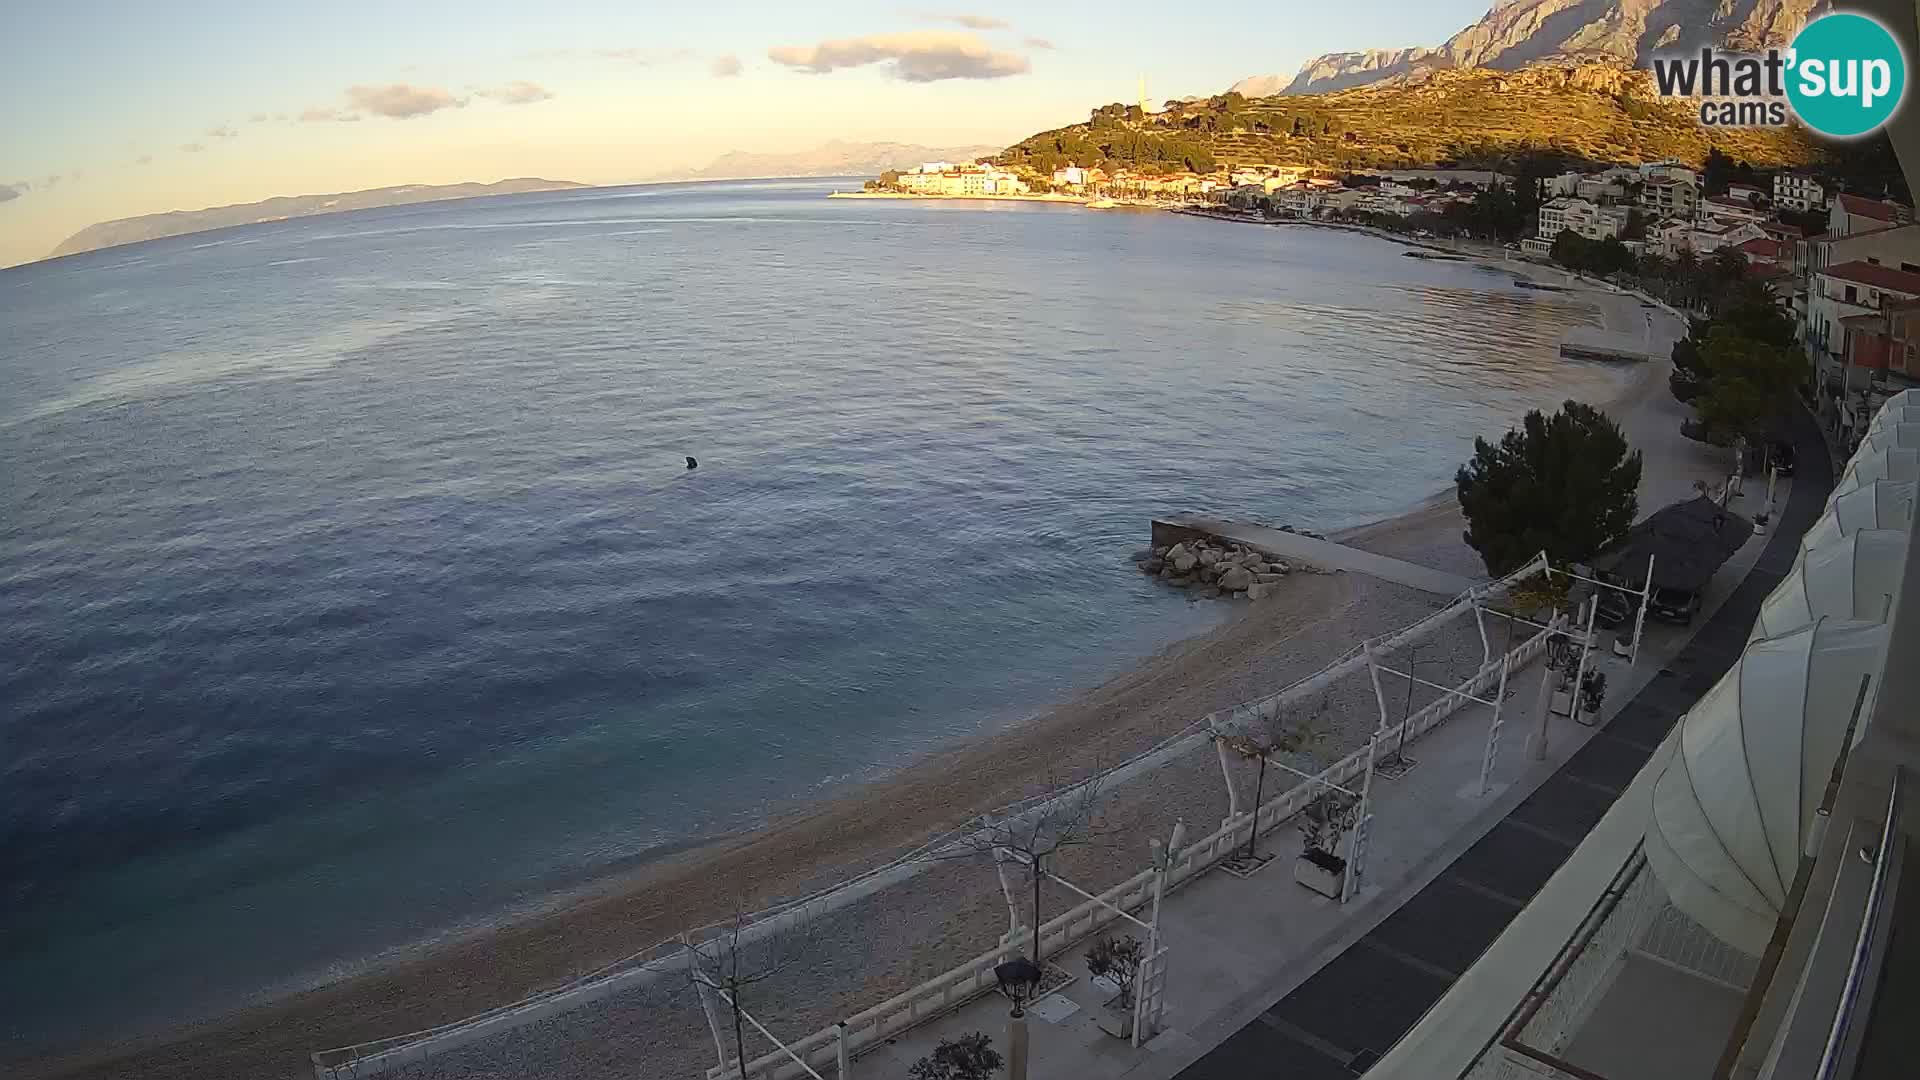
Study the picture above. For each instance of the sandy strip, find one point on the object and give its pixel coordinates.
(1311, 621)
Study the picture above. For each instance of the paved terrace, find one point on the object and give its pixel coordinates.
(1295, 547)
(1338, 1020)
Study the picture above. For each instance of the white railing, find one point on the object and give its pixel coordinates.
(667, 959)
(1632, 916)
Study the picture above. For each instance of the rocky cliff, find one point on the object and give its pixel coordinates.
(1515, 33)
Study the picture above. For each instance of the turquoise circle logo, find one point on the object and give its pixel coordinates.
(1847, 75)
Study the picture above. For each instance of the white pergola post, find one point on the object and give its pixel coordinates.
(1226, 772)
(1480, 623)
(708, 1003)
(1000, 857)
(1580, 669)
(1493, 729)
(1379, 697)
(1640, 620)
(843, 1052)
(1538, 744)
(1363, 819)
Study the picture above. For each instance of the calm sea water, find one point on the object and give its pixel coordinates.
(352, 587)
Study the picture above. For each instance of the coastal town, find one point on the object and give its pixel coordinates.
(1843, 265)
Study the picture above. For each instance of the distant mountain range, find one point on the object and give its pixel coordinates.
(1515, 33)
(177, 222)
(835, 158)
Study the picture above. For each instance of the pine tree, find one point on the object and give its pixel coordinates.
(1565, 484)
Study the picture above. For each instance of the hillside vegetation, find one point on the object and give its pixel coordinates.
(1472, 118)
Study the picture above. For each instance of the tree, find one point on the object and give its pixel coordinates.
(1033, 832)
(1748, 382)
(749, 951)
(1565, 484)
(1259, 732)
(969, 1057)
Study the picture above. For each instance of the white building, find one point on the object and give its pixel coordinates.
(1852, 214)
(1798, 191)
(1581, 217)
(1670, 196)
(1726, 208)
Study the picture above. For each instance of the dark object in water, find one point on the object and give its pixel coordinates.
(692, 464)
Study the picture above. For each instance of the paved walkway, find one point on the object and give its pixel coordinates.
(1339, 1021)
(1324, 553)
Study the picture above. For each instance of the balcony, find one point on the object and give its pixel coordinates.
(1640, 992)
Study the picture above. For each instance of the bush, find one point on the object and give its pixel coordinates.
(1117, 959)
(969, 1057)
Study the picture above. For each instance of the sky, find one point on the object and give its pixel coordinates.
(119, 109)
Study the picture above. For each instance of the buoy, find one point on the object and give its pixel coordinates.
(692, 464)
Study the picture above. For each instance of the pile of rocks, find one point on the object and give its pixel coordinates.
(1215, 569)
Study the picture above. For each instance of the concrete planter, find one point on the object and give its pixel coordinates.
(1323, 873)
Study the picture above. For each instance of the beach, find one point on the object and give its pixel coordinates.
(886, 942)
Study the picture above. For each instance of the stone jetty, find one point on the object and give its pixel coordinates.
(1215, 569)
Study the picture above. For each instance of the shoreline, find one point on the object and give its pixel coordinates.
(803, 846)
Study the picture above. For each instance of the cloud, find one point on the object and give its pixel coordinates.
(222, 132)
(726, 67)
(401, 101)
(917, 56)
(144, 159)
(258, 118)
(518, 92)
(1039, 43)
(321, 115)
(10, 192)
(643, 57)
(192, 147)
(52, 180)
(971, 22)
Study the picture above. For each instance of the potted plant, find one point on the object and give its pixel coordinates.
(1116, 961)
(1593, 691)
(1322, 823)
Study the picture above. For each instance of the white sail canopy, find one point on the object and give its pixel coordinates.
(1851, 577)
(1889, 436)
(1870, 465)
(1746, 768)
(1883, 504)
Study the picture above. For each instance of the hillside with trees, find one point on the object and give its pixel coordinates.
(1472, 118)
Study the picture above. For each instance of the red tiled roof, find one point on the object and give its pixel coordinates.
(1761, 248)
(1880, 277)
(1861, 206)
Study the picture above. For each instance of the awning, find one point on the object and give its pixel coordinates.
(1744, 771)
(1883, 504)
(1889, 436)
(1688, 541)
(1851, 577)
(1870, 465)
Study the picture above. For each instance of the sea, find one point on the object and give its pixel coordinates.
(354, 590)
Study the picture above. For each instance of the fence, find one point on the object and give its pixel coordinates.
(667, 959)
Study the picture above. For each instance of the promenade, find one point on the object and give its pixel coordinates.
(1266, 977)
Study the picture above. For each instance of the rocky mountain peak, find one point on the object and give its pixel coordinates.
(1515, 33)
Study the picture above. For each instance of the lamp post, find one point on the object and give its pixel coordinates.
(1019, 980)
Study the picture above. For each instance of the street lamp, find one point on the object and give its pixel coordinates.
(1019, 980)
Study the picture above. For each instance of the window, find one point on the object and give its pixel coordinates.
(1852, 297)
